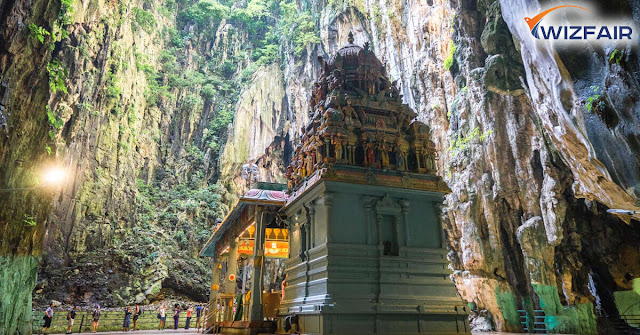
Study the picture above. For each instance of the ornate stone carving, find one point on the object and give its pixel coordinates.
(358, 119)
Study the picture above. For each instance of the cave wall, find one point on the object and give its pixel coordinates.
(104, 90)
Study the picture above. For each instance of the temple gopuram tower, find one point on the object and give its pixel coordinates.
(366, 250)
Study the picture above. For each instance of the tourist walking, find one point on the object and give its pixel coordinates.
(136, 314)
(176, 317)
(96, 318)
(127, 319)
(198, 317)
(71, 317)
(189, 311)
(48, 316)
(162, 315)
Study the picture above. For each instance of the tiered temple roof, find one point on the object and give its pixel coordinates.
(357, 119)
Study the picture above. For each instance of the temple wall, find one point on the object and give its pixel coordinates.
(345, 284)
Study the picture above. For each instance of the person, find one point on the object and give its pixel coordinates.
(48, 316)
(136, 314)
(127, 319)
(162, 315)
(189, 311)
(71, 316)
(198, 317)
(176, 317)
(96, 318)
(283, 285)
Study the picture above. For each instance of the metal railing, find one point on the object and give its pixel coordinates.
(219, 310)
(110, 321)
(537, 319)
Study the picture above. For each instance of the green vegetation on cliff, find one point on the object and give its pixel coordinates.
(156, 84)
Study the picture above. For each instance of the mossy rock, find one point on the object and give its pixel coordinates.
(496, 38)
(502, 75)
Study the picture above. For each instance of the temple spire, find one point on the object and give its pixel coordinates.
(358, 119)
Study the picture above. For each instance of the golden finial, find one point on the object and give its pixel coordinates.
(350, 39)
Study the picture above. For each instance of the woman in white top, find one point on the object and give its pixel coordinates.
(162, 315)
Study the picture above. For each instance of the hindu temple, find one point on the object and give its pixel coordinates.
(366, 249)
(357, 227)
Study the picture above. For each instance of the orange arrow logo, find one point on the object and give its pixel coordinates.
(533, 22)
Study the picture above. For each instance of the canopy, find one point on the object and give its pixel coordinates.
(243, 215)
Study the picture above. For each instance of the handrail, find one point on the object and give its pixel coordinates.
(109, 321)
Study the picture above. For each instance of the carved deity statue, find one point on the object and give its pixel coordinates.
(350, 117)
(312, 100)
(384, 155)
(370, 155)
(429, 162)
(399, 159)
(302, 171)
(402, 150)
(289, 176)
(337, 144)
(318, 143)
(308, 164)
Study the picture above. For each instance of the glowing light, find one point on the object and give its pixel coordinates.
(55, 176)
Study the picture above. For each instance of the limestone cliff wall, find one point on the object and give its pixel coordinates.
(258, 132)
(106, 91)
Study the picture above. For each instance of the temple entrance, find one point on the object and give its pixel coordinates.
(249, 249)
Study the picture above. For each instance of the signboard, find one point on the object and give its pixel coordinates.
(273, 249)
(245, 247)
(276, 249)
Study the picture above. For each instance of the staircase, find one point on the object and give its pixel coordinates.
(538, 321)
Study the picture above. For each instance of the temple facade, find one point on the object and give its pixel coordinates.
(366, 248)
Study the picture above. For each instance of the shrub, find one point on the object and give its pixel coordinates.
(208, 91)
(57, 74)
(616, 56)
(112, 89)
(37, 33)
(55, 122)
(204, 13)
(594, 99)
(448, 62)
(143, 19)
(266, 55)
(228, 68)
